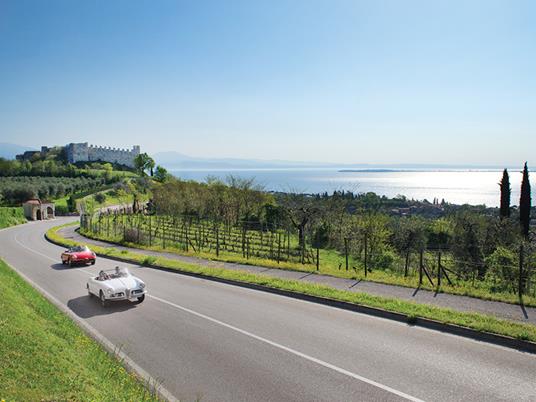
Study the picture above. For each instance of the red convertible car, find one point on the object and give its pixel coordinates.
(78, 255)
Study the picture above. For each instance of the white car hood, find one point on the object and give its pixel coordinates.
(121, 284)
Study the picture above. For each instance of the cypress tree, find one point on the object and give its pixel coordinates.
(505, 195)
(524, 203)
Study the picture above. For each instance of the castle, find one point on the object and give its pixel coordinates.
(82, 152)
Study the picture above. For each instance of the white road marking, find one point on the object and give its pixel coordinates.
(292, 351)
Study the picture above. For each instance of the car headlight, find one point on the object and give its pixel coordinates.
(142, 285)
(109, 291)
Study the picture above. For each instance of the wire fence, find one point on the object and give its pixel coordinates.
(248, 240)
(188, 233)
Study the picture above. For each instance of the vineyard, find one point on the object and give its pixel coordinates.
(280, 247)
(190, 234)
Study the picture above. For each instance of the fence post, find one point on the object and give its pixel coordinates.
(150, 231)
(187, 235)
(278, 247)
(243, 241)
(438, 269)
(288, 244)
(303, 249)
(217, 241)
(520, 284)
(346, 251)
(163, 225)
(420, 267)
(317, 259)
(366, 255)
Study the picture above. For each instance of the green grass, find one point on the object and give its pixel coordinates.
(46, 356)
(11, 216)
(479, 322)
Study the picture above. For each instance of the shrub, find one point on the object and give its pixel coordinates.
(100, 197)
(148, 260)
(503, 264)
(62, 210)
(133, 235)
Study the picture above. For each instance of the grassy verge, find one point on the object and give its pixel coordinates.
(330, 266)
(46, 356)
(479, 322)
(11, 216)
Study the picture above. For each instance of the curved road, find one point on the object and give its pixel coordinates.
(216, 342)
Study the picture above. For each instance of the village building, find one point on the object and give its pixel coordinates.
(36, 210)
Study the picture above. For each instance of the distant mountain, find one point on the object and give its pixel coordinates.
(176, 160)
(8, 151)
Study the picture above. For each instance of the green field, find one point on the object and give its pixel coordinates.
(479, 322)
(11, 216)
(45, 356)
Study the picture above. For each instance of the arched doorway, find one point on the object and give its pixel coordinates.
(38, 215)
(50, 213)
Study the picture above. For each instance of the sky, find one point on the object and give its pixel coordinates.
(450, 82)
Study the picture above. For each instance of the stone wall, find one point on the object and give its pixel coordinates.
(83, 152)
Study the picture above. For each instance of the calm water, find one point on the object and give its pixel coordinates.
(458, 187)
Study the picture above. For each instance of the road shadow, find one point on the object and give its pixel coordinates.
(523, 310)
(86, 306)
(61, 267)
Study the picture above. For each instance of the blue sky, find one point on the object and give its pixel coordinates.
(338, 81)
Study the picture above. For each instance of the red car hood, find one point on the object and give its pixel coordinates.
(82, 254)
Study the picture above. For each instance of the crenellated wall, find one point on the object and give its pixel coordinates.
(82, 152)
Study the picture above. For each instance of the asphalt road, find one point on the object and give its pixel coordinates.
(215, 342)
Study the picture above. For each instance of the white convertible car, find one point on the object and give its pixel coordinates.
(116, 284)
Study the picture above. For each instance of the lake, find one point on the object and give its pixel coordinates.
(455, 186)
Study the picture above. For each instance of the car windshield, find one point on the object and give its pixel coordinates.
(113, 274)
(120, 273)
(78, 249)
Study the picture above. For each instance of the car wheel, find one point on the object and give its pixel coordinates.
(71, 263)
(103, 300)
(141, 299)
(93, 262)
(63, 262)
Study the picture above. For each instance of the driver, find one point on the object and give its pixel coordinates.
(103, 276)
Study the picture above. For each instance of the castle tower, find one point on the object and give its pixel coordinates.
(77, 152)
